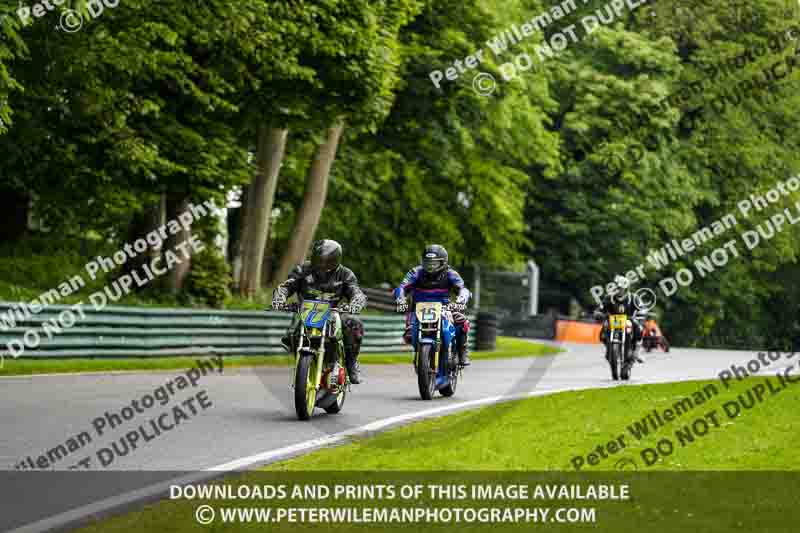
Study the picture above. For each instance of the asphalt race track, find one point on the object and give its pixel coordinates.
(251, 420)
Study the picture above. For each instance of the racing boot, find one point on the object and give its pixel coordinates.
(463, 355)
(351, 362)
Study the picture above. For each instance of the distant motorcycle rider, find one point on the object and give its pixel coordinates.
(621, 302)
(325, 277)
(432, 281)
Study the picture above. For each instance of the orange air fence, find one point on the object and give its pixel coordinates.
(573, 331)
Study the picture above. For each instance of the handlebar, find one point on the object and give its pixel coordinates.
(460, 308)
(294, 308)
(286, 308)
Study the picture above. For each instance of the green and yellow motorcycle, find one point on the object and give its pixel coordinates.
(319, 376)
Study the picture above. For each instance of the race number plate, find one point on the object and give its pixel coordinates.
(429, 311)
(616, 322)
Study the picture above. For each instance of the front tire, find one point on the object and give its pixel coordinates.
(425, 377)
(615, 361)
(305, 390)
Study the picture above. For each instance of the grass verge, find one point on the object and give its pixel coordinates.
(507, 347)
(548, 432)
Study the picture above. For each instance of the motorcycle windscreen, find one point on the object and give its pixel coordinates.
(316, 313)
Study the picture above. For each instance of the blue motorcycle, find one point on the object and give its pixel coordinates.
(435, 348)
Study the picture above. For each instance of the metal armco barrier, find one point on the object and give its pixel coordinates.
(156, 332)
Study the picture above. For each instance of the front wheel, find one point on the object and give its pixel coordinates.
(426, 378)
(615, 361)
(305, 389)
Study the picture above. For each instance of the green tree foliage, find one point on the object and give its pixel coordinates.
(586, 162)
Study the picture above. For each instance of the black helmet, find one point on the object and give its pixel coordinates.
(434, 259)
(326, 256)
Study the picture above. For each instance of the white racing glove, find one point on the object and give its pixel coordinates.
(402, 305)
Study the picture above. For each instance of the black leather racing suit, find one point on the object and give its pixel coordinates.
(340, 284)
(616, 304)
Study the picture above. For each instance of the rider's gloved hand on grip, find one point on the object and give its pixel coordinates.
(402, 305)
(462, 300)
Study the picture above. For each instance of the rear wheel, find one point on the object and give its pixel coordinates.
(336, 407)
(452, 371)
(625, 373)
(305, 390)
(425, 377)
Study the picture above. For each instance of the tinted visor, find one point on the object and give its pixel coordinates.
(432, 265)
(325, 263)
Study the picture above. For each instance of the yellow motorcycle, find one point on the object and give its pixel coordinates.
(319, 378)
(620, 346)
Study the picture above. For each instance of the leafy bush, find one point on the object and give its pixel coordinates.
(209, 279)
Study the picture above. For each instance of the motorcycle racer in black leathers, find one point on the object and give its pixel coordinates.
(432, 281)
(622, 302)
(324, 277)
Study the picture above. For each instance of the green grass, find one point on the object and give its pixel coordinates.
(512, 441)
(507, 347)
(556, 428)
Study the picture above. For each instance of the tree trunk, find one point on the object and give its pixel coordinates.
(261, 194)
(141, 224)
(313, 202)
(236, 230)
(266, 267)
(176, 276)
